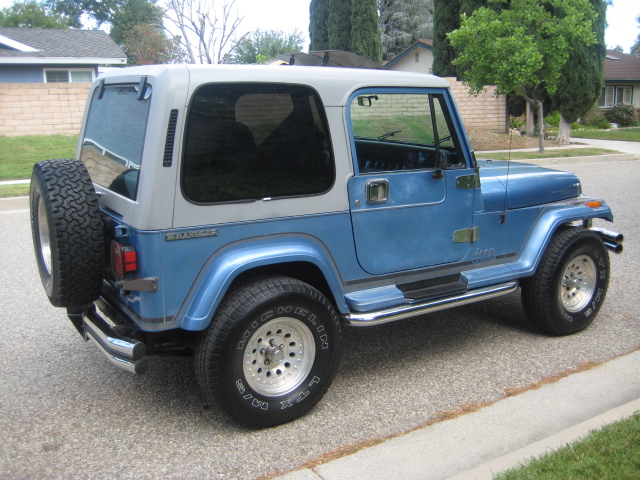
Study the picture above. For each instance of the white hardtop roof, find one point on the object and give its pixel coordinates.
(334, 84)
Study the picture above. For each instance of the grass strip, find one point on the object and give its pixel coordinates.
(19, 190)
(19, 154)
(555, 153)
(626, 135)
(612, 452)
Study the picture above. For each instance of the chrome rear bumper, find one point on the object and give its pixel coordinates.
(124, 352)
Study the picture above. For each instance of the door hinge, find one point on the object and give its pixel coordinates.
(468, 182)
(468, 235)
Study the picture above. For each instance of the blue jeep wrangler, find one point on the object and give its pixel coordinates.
(249, 213)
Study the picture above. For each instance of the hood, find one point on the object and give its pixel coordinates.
(527, 184)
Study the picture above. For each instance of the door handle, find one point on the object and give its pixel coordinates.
(377, 191)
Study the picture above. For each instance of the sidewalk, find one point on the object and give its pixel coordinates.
(477, 445)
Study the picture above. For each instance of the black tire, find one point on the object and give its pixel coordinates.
(67, 232)
(570, 285)
(261, 383)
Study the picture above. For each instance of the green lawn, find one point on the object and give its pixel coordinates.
(14, 190)
(548, 153)
(627, 135)
(610, 453)
(19, 154)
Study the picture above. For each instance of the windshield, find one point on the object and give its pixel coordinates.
(114, 137)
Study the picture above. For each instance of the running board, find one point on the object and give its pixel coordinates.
(406, 311)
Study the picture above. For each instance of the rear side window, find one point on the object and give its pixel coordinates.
(114, 137)
(252, 141)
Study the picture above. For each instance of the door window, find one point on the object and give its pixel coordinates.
(401, 131)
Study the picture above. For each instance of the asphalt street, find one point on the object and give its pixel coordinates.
(65, 412)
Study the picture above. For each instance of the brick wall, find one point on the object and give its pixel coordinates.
(484, 111)
(50, 108)
(41, 108)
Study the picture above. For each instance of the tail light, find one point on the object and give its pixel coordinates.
(124, 260)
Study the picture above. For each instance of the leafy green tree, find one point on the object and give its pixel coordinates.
(339, 25)
(446, 18)
(99, 11)
(403, 22)
(261, 46)
(582, 77)
(522, 48)
(31, 14)
(318, 24)
(365, 30)
(147, 44)
(132, 13)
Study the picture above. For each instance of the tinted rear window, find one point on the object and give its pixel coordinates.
(252, 141)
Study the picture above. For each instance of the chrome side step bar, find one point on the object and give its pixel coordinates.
(405, 311)
(126, 353)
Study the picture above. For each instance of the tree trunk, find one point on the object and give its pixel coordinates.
(529, 120)
(541, 126)
(564, 132)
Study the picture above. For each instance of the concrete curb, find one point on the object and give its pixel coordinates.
(497, 437)
(14, 204)
(549, 444)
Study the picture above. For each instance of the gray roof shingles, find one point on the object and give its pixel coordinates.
(624, 67)
(52, 43)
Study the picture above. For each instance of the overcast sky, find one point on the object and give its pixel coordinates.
(288, 15)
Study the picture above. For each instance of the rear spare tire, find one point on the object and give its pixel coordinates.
(67, 232)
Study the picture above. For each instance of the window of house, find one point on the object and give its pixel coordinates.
(68, 75)
(250, 141)
(612, 96)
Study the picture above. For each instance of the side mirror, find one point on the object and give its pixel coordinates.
(366, 100)
(442, 162)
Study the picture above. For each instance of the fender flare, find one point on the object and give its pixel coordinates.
(538, 240)
(223, 267)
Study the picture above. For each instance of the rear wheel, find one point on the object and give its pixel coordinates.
(570, 285)
(67, 232)
(271, 352)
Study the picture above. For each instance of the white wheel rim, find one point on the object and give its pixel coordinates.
(578, 284)
(44, 236)
(279, 356)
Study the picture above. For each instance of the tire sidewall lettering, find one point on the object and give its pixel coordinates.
(595, 302)
(312, 386)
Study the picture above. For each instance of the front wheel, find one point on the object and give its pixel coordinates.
(570, 285)
(271, 352)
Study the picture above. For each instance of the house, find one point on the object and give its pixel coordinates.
(621, 79)
(417, 57)
(41, 55)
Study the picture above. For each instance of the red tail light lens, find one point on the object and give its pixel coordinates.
(123, 260)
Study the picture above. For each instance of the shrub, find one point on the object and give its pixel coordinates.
(595, 119)
(517, 123)
(553, 119)
(623, 115)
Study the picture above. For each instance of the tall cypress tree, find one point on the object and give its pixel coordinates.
(365, 30)
(582, 77)
(318, 24)
(446, 18)
(339, 25)
(402, 22)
